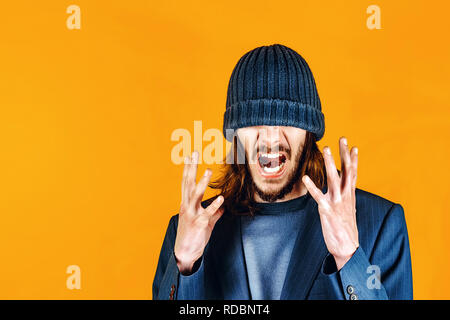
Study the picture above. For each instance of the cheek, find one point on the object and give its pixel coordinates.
(247, 140)
(296, 147)
(295, 160)
(295, 137)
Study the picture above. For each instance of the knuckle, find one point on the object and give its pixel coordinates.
(347, 162)
(183, 207)
(336, 200)
(196, 194)
(187, 208)
(324, 208)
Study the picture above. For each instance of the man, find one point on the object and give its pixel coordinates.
(287, 224)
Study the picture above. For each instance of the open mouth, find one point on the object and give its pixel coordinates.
(271, 164)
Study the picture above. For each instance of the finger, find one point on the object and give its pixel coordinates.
(192, 173)
(184, 195)
(345, 163)
(201, 187)
(354, 162)
(216, 216)
(354, 157)
(333, 180)
(214, 206)
(314, 191)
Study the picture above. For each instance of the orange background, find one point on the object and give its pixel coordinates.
(86, 119)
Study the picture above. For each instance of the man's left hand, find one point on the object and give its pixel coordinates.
(337, 208)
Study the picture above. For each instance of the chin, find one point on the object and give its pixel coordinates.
(270, 189)
(270, 185)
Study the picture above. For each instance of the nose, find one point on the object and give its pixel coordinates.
(270, 136)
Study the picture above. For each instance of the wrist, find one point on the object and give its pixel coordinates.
(341, 260)
(185, 263)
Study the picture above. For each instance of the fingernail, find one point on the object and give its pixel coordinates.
(327, 150)
(344, 140)
(356, 150)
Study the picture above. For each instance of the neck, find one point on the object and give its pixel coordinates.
(298, 190)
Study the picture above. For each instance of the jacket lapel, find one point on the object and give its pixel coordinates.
(307, 256)
(230, 263)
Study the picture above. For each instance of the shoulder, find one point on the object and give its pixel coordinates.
(367, 201)
(374, 207)
(376, 214)
(375, 204)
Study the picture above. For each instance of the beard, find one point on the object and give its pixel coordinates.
(292, 179)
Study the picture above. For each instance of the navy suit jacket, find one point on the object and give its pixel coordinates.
(379, 269)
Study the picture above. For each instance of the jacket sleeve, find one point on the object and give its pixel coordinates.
(168, 283)
(387, 273)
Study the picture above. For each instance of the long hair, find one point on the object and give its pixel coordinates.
(235, 182)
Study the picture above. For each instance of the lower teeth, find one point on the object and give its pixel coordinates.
(274, 169)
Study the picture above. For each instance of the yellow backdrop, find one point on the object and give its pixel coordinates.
(86, 176)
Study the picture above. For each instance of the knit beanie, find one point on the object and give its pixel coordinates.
(273, 86)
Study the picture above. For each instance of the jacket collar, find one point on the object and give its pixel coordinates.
(229, 261)
(307, 256)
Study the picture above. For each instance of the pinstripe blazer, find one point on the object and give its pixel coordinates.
(379, 269)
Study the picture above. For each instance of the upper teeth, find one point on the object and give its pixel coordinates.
(271, 155)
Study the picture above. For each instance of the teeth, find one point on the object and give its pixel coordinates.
(274, 169)
(271, 155)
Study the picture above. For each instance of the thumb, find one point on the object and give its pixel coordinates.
(216, 216)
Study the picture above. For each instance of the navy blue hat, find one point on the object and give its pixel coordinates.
(273, 86)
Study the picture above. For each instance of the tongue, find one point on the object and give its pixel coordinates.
(273, 163)
(270, 162)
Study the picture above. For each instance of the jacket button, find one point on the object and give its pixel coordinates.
(353, 297)
(350, 289)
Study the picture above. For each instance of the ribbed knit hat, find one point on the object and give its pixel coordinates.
(273, 86)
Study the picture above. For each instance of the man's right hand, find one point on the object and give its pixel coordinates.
(195, 223)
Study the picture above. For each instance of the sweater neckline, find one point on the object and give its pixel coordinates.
(291, 205)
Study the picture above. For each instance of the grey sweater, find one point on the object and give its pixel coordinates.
(267, 249)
